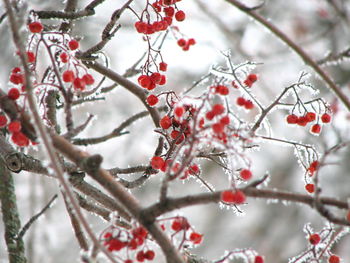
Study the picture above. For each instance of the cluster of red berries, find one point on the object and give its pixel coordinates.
(246, 103)
(150, 82)
(250, 80)
(313, 167)
(310, 187)
(15, 129)
(181, 224)
(179, 122)
(131, 241)
(158, 163)
(16, 77)
(220, 90)
(166, 20)
(236, 197)
(69, 76)
(185, 44)
(308, 118)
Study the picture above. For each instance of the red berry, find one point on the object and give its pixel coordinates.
(180, 15)
(35, 27)
(218, 128)
(196, 238)
(152, 100)
(14, 126)
(240, 101)
(313, 167)
(316, 128)
(302, 121)
(259, 259)
(245, 174)
(310, 116)
(210, 115)
(326, 118)
(218, 109)
(194, 169)
(139, 232)
(310, 188)
(169, 11)
(176, 134)
(149, 255)
(225, 120)
(64, 57)
(165, 122)
(248, 83)
(156, 77)
(252, 77)
(68, 76)
(115, 244)
(191, 41)
(168, 20)
(141, 27)
(314, 239)
(162, 80)
(16, 78)
(140, 256)
(233, 197)
(179, 224)
(88, 79)
(73, 44)
(163, 66)
(128, 261)
(333, 259)
(3, 121)
(20, 139)
(249, 105)
(222, 90)
(179, 111)
(144, 81)
(292, 119)
(157, 162)
(79, 84)
(181, 42)
(30, 56)
(13, 94)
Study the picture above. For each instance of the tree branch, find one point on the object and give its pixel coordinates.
(10, 216)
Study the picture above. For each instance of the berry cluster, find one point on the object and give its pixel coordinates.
(309, 117)
(185, 44)
(15, 129)
(236, 197)
(133, 242)
(181, 226)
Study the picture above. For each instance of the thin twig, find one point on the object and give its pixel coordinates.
(35, 217)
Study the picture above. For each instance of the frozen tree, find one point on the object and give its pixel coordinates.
(174, 131)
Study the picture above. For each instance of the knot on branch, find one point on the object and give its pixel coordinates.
(76, 178)
(14, 162)
(92, 163)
